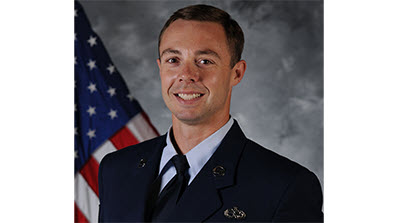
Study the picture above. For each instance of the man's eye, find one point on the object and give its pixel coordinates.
(205, 62)
(172, 60)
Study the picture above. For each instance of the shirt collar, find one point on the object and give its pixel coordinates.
(200, 154)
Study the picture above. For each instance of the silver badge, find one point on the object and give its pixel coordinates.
(235, 213)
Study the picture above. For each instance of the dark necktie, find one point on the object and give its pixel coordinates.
(172, 192)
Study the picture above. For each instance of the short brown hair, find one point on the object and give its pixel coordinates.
(207, 13)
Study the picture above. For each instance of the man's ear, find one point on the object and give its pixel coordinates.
(238, 71)
(158, 61)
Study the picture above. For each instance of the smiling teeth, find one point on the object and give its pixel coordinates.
(188, 96)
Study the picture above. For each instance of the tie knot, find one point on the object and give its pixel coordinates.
(181, 163)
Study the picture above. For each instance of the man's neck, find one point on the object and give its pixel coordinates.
(188, 136)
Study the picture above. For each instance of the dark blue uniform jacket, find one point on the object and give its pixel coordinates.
(242, 181)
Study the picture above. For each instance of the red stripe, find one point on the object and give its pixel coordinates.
(146, 117)
(79, 216)
(123, 138)
(90, 173)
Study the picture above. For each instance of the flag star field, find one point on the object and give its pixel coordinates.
(101, 96)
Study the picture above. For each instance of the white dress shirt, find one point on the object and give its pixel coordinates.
(197, 157)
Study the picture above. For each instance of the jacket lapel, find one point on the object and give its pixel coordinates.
(144, 171)
(201, 199)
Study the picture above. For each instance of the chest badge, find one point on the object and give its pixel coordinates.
(235, 213)
(219, 171)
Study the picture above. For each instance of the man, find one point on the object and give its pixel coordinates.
(204, 168)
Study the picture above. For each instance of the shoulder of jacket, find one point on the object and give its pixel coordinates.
(126, 153)
(267, 159)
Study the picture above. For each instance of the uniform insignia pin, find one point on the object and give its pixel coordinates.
(235, 213)
(142, 163)
(219, 171)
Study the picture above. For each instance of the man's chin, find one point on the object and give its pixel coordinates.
(189, 119)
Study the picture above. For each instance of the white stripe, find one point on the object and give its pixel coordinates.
(86, 199)
(140, 128)
(104, 149)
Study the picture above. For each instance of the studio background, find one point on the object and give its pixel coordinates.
(278, 104)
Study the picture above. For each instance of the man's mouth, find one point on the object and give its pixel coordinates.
(188, 97)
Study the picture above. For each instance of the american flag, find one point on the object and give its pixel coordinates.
(107, 117)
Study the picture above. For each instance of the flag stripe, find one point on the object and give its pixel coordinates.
(79, 216)
(141, 128)
(123, 138)
(104, 149)
(88, 176)
(90, 173)
(85, 198)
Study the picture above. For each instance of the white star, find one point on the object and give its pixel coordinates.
(130, 97)
(76, 133)
(111, 68)
(91, 133)
(91, 64)
(75, 60)
(112, 114)
(111, 91)
(76, 155)
(75, 12)
(92, 87)
(92, 41)
(91, 110)
(75, 36)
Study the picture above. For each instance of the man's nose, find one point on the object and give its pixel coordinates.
(189, 73)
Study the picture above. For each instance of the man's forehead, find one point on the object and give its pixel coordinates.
(204, 37)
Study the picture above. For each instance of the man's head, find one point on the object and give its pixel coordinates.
(206, 13)
(195, 69)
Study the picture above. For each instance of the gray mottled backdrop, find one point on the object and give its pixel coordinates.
(279, 103)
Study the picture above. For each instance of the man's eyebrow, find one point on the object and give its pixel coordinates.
(207, 52)
(169, 50)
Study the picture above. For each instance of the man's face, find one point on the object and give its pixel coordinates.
(195, 71)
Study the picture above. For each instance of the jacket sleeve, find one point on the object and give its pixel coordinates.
(302, 200)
